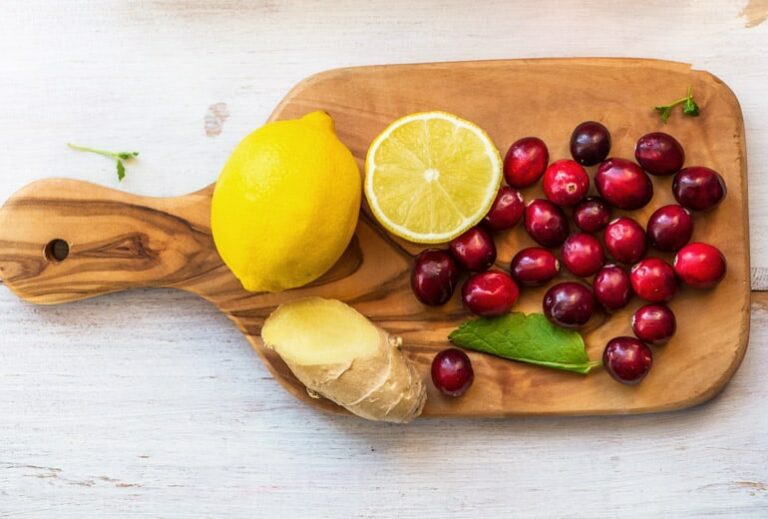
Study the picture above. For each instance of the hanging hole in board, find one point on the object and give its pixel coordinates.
(57, 250)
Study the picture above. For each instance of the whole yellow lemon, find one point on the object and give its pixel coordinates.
(286, 204)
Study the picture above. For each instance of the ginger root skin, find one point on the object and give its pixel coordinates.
(337, 353)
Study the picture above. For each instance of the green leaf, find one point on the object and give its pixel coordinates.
(664, 112)
(690, 107)
(119, 157)
(526, 338)
(120, 170)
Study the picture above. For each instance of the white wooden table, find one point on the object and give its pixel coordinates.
(151, 404)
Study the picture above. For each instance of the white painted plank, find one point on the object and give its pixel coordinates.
(150, 404)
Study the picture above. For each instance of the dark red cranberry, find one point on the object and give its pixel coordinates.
(434, 277)
(659, 154)
(612, 288)
(654, 324)
(452, 372)
(565, 182)
(700, 265)
(534, 266)
(546, 223)
(623, 184)
(569, 304)
(592, 214)
(625, 240)
(627, 360)
(698, 188)
(670, 227)
(474, 250)
(489, 293)
(506, 210)
(582, 254)
(525, 162)
(590, 143)
(654, 280)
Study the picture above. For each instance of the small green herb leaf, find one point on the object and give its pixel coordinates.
(120, 170)
(664, 112)
(690, 107)
(118, 156)
(526, 338)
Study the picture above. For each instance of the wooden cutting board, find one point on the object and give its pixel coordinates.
(119, 241)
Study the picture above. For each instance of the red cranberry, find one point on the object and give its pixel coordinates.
(625, 240)
(612, 287)
(623, 184)
(659, 153)
(489, 293)
(592, 214)
(627, 360)
(452, 372)
(434, 277)
(654, 280)
(670, 227)
(534, 266)
(590, 143)
(698, 188)
(525, 162)
(569, 304)
(474, 250)
(582, 254)
(654, 324)
(700, 265)
(546, 223)
(565, 182)
(506, 210)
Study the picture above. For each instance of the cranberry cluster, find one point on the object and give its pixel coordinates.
(621, 184)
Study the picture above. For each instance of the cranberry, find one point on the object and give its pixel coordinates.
(625, 240)
(659, 153)
(700, 265)
(565, 182)
(623, 184)
(590, 143)
(506, 210)
(474, 250)
(698, 188)
(582, 254)
(525, 161)
(452, 372)
(592, 214)
(546, 223)
(489, 293)
(670, 227)
(654, 324)
(612, 288)
(569, 304)
(534, 266)
(654, 280)
(627, 360)
(434, 277)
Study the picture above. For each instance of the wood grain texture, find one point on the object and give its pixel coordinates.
(155, 388)
(119, 241)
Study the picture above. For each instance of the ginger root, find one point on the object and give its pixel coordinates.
(337, 353)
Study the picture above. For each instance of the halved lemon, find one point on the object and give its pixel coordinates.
(430, 176)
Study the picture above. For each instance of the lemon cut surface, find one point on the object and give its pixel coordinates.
(430, 176)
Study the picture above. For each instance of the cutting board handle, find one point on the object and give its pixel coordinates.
(63, 240)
